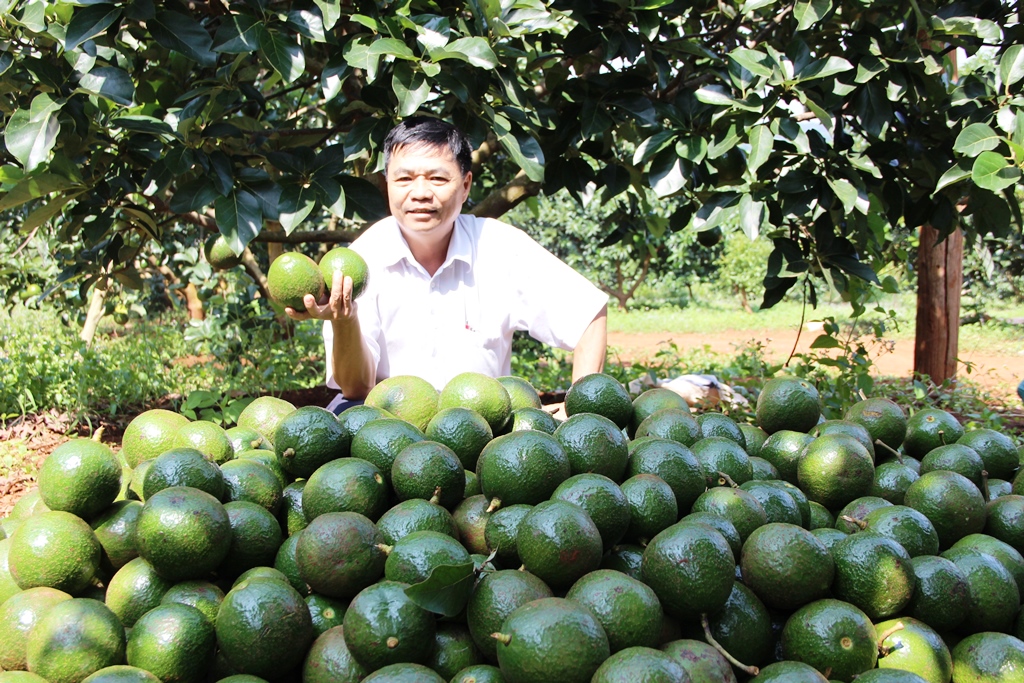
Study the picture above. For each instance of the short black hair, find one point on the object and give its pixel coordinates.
(431, 132)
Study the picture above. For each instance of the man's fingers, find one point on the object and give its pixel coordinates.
(295, 315)
(337, 284)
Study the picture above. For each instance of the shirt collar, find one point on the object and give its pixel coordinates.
(459, 248)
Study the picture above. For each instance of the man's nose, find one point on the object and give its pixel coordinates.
(421, 189)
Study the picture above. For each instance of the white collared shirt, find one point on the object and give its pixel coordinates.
(495, 280)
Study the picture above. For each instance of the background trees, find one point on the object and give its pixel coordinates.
(131, 128)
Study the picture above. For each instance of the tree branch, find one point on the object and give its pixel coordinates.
(301, 237)
(254, 271)
(641, 276)
(503, 199)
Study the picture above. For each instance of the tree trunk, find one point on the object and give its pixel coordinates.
(92, 318)
(743, 299)
(940, 275)
(194, 303)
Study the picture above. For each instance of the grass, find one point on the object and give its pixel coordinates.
(712, 313)
(44, 365)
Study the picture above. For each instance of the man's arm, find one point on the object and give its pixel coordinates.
(352, 362)
(589, 353)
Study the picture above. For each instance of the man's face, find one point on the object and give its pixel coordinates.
(426, 188)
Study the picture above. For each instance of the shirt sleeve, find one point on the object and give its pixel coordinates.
(555, 303)
(369, 327)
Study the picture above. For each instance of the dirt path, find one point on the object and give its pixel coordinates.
(997, 373)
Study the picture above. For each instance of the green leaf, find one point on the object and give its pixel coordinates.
(752, 216)
(975, 139)
(715, 211)
(10, 174)
(31, 188)
(31, 134)
(365, 201)
(239, 218)
(445, 591)
(308, 24)
(714, 94)
(523, 149)
(285, 56)
(331, 10)
(391, 47)
(594, 119)
(44, 213)
(993, 172)
(182, 34)
(331, 194)
(667, 174)
(110, 82)
(822, 68)
(854, 267)
(810, 12)
(990, 211)
(295, 204)
(33, 16)
(6, 60)
(474, 50)
(1011, 65)
(959, 171)
(754, 61)
(239, 34)
(968, 26)
(825, 341)
(652, 145)
(410, 87)
(193, 196)
(846, 192)
(762, 141)
(88, 23)
(692, 148)
(138, 123)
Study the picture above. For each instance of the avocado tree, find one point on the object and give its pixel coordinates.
(834, 128)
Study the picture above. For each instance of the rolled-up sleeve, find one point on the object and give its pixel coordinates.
(554, 303)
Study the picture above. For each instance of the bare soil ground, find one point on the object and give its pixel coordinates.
(38, 435)
(998, 374)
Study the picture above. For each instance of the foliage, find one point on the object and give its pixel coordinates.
(43, 365)
(831, 127)
(993, 270)
(621, 245)
(742, 267)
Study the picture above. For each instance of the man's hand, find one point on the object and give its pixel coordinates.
(557, 411)
(336, 305)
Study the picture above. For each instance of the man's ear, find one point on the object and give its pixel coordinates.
(467, 181)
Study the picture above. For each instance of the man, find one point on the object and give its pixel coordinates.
(446, 291)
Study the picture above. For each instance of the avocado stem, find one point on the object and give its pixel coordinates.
(288, 453)
(436, 498)
(502, 638)
(495, 504)
(899, 456)
(986, 494)
(853, 520)
(883, 650)
(724, 478)
(98, 434)
(392, 643)
(752, 670)
(384, 548)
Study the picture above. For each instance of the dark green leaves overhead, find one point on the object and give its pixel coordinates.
(831, 128)
(88, 23)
